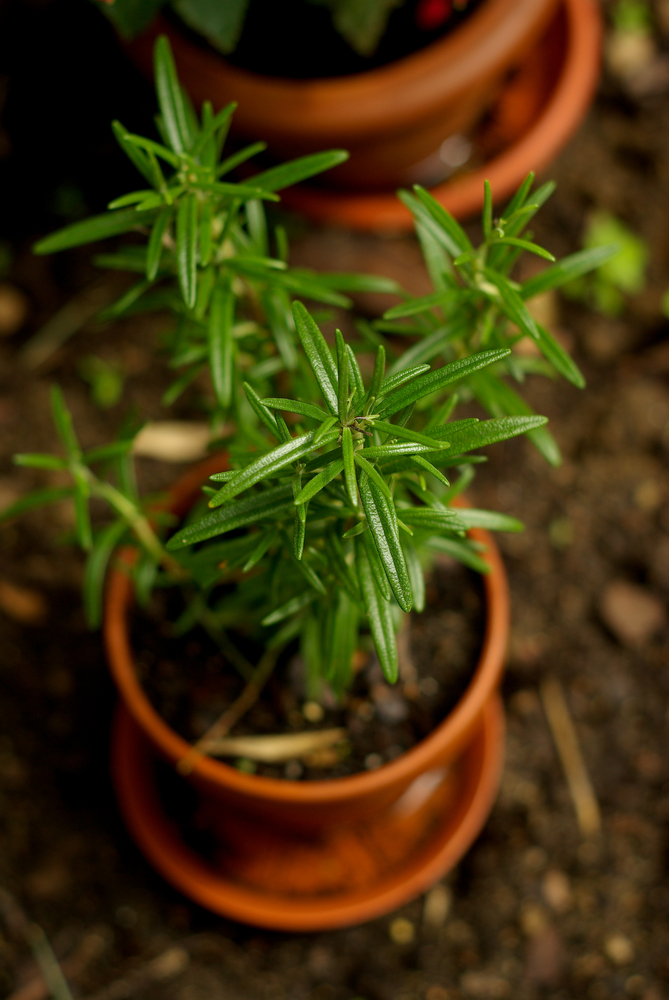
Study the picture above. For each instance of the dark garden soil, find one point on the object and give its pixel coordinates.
(537, 909)
(190, 684)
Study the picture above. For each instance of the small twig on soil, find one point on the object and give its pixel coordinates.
(234, 713)
(566, 741)
(19, 925)
(68, 320)
(171, 963)
(91, 946)
(275, 748)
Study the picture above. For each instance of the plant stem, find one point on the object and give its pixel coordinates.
(234, 713)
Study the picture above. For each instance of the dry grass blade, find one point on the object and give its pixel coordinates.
(566, 741)
(275, 748)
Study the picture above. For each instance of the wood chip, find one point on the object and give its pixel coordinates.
(172, 441)
(578, 780)
(275, 748)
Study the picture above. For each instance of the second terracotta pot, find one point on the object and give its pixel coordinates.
(391, 119)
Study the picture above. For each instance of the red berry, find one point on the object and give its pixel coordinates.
(431, 14)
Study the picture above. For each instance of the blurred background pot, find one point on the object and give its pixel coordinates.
(315, 854)
(392, 119)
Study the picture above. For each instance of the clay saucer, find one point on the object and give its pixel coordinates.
(243, 869)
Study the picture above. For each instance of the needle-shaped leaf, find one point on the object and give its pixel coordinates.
(487, 209)
(434, 517)
(323, 430)
(267, 538)
(239, 157)
(137, 156)
(291, 607)
(443, 219)
(298, 170)
(379, 369)
(464, 436)
(342, 376)
(318, 355)
(380, 576)
(155, 247)
(514, 307)
(268, 465)
(356, 376)
(40, 461)
(374, 475)
(489, 519)
(318, 482)
(260, 410)
(461, 549)
(499, 398)
(526, 245)
(38, 498)
(416, 575)
(266, 505)
(295, 406)
(186, 247)
(397, 430)
(221, 343)
(62, 418)
(349, 466)
(382, 521)
(567, 269)
(212, 126)
(96, 568)
(438, 379)
(395, 381)
(99, 227)
(422, 304)
(394, 449)
(423, 463)
(170, 98)
(379, 616)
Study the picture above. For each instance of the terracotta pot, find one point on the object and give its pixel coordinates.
(316, 854)
(533, 118)
(391, 119)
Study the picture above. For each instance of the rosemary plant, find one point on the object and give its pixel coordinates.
(205, 254)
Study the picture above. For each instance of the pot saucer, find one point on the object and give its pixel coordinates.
(534, 116)
(242, 869)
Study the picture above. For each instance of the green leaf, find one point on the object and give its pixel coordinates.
(379, 369)
(568, 269)
(526, 245)
(291, 607)
(125, 302)
(221, 344)
(261, 411)
(267, 538)
(268, 465)
(40, 461)
(379, 615)
(62, 419)
(444, 220)
(38, 498)
(349, 466)
(324, 430)
(514, 307)
(99, 227)
(416, 576)
(463, 436)
(487, 209)
(498, 398)
(382, 521)
(186, 247)
(441, 518)
(489, 519)
(155, 247)
(108, 451)
(356, 376)
(240, 157)
(438, 379)
(341, 643)
(96, 568)
(422, 304)
(137, 156)
(295, 406)
(460, 549)
(298, 170)
(220, 23)
(266, 505)
(396, 430)
(374, 476)
(318, 355)
(423, 463)
(213, 124)
(170, 98)
(318, 482)
(394, 449)
(379, 573)
(342, 376)
(395, 381)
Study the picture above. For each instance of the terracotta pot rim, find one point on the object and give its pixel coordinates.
(355, 104)
(451, 731)
(533, 151)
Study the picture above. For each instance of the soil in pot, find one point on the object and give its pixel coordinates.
(190, 684)
(296, 40)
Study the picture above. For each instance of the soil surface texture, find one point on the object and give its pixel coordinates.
(550, 903)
